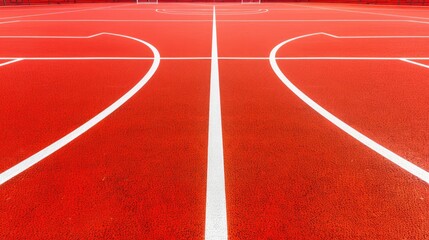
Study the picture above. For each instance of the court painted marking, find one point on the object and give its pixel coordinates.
(204, 12)
(53, 13)
(11, 61)
(375, 36)
(216, 219)
(9, 22)
(49, 6)
(53, 36)
(42, 154)
(77, 58)
(351, 58)
(364, 12)
(405, 59)
(209, 20)
(386, 153)
(415, 63)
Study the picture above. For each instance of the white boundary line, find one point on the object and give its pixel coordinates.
(49, 6)
(207, 9)
(131, 9)
(373, 36)
(243, 58)
(417, 10)
(9, 22)
(290, 9)
(415, 63)
(405, 59)
(39, 156)
(207, 20)
(54, 8)
(216, 223)
(219, 12)
(363, 12)
(53, 13)
(52, 37)
(147, 3)
(210, 5)
(21, 6)
(11, 61)
(118, 20)
(77, 58)
(381, 6)
(104, 58)
(351, 58)
(391, 156)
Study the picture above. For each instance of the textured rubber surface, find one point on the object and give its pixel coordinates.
(141, 173)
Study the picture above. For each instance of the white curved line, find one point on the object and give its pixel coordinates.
(391, 156)
(37, 157)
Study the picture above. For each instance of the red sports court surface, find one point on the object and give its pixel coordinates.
(214, 121)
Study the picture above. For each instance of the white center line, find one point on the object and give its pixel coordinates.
(216, 226)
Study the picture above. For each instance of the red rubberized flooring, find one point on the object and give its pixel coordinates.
(141, 172)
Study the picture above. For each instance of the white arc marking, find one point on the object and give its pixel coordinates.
(391, 156)
(34, 159)
(216, 226)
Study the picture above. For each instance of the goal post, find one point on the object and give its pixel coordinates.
(250, 1)
(147, 1)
